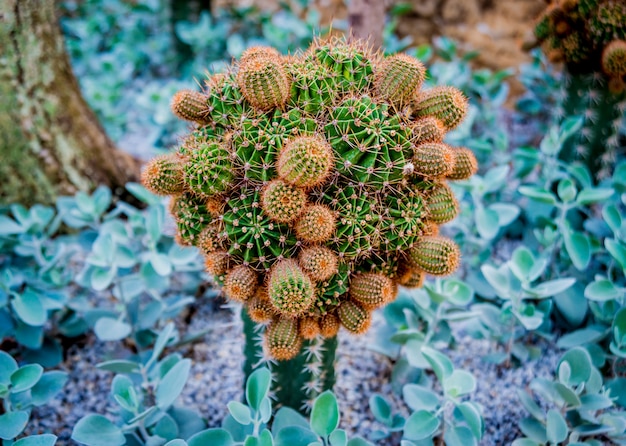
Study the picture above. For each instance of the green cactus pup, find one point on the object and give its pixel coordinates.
(314, 185)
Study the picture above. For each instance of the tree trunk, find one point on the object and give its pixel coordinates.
(367, 21)
(51, 142)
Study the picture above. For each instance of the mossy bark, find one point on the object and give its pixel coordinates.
(50, 141)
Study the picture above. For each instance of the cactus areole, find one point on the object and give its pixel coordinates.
(313, 184)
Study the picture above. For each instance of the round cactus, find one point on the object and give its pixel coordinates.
(311, 179)
(329, 325)
(282, 339)
(447, 104)
(309, 328)
(264, 82)
(465, 164)
(316, 224)
(241, 283)
(163, 175)
(428, 129)
(290, 290)
(399, 78)
(217, 263)
(319, 262)
(441, 203)
(372, 290)
(614, 58)
(354, 317)
(433, 160)
(436, 255)
(260, 308)
(191, 106)
(209, 169)
(305, 161)
(282, 202)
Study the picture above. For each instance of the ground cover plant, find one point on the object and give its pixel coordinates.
(541, 235)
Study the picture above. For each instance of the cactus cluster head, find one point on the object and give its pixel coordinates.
(588, 35)
(314, 184)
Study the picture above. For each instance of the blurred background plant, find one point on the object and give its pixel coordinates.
(543, 239)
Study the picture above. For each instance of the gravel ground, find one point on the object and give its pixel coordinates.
(216, 378)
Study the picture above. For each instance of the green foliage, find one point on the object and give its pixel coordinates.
(145, 388)
(580, 411)
(22, 389)
(122, 251)
(249, 423)
(434, 415)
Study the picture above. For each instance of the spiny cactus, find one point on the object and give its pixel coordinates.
(163, 175)
(191, 106)
(589, 36)
(314, 186)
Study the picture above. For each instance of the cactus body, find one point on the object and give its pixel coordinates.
(597, 143)
(447, 104)
(399, 78)
(190, 105)
(264, 82)
(253, 237)
(402, 220)
(372, 290)
(298, 381)
(319, 262)
(442, 205)
(290, 290)
(282, 202)
(257, 142)
(316, 224)
(163, 175)
(372, 147)
(354, 317)
(308, 175)
(436, 255)
(305, 161)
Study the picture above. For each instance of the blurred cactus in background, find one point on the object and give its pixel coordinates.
(314, 184)
(589, 37)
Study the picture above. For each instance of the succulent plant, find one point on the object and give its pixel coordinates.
(589, 37)
(311, 181)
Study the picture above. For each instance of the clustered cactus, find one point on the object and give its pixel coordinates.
(314, 185)
(589, 36)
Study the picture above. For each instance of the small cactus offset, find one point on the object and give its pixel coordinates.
(314, 185)
(589, 37)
